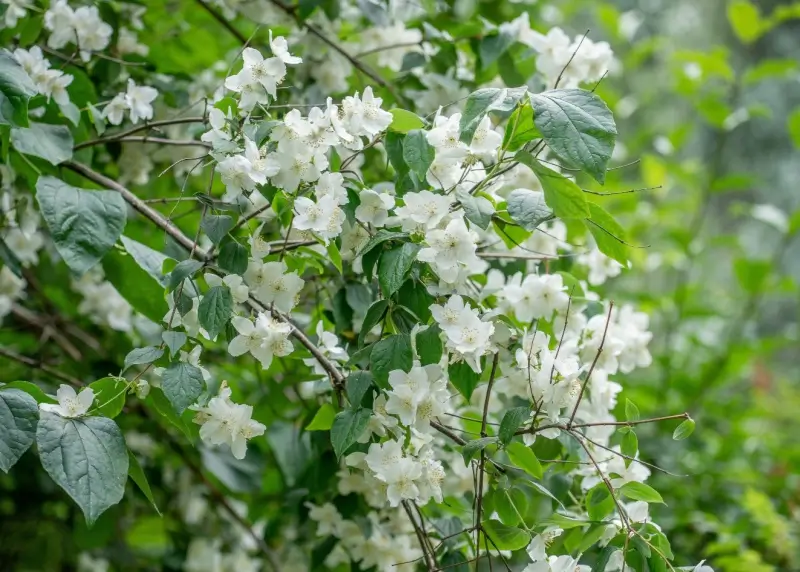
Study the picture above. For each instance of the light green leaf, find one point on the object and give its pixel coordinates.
(608, 234)
(641, 492)
(84, 224)
(389, 354)
(524, 458)
(494, 46)
(520, 128)
(335, 256)
(137, 475)
(144, 355)
(182, 384)
(510, 505)
(404, 121)
(418, 153)
(505, 537)
(19, 414)
(561, 194)
(16, 89)
(683, 430)
(512, 420)
(528, 208)
(631, 411)
(87, 458)
(215, 310)
(793, 125)
(323, 419)
(578, 126)
(394, 265)
(53, 143)
(149, 260)
(347, 428)
(746, 21)
(32, 390)
(478, 104)
(109, 396)
(173, 340)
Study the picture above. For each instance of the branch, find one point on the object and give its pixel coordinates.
(137, 129)
(222, 20)
(164, 141)
(30, 362)
(482, 463)
(430, 561)
(591, 369)
(628, 423)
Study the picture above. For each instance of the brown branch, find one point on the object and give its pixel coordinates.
(482, 463)
(430, 562)
(32, 363)
(628, 423)
(223, 20)
(137, 129)
(164, 141)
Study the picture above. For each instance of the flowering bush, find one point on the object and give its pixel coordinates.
(379, 337)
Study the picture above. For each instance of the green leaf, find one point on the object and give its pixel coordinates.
(214, 310)
(578, 126)
(160, 403)
(182, 384)
(404, 121)
(19, 414)
(357, 385)
(746, 21)
(510, 505)
(183, 270)
(562, 195)
(590, 538)
(16, 89)
(607, 233)
(53, 143)
(512, 420)
(149, 260)
(564, 522)
(84, 224)
(429, 345)
(505, 537)
(97, 118)
(528, 208)
(87, 458)
(641, 492)
(323, 419)
(134, 283)
(463, 378)
(137, 475)
(32, 390)
(414, 295)
(478, 104)
(629, 445)
(389, 354)
(683, 430)
(233, 258)
(631, 411)
(478, 210)
(605, 557)
(216, 227)
(373, 316)
(174, 341)
(347, 428)
(418, 153)
(494, 46)
(599, 502)
(109, 396)
(472, 448)
(393, 143)
(144, 355)
(520, 128)
(524, 458)
(335, 256)
(394, 265)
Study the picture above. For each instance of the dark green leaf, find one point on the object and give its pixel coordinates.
(137, 475)
(478, 104)
(389, 354)
(347, 428)
(510, 505)
(16, 89)
(472, 448)
(149, 260)
(599, 502)
(357, 385)
(463, 378)
(394, 265)
(87, 458)
(215, 310)
(418, 153)
(429, 345)
(414, 296)
(478, 210)
(182, 384)
(84, 224)
(183, 270)
(233, 258)
(505, 537)
(528, 208)
(374, 315)
(393, 143)
(216, 226)
(174, 341)
(144, 355)
(19, 414)
(512, 420)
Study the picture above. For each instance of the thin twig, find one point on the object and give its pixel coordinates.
(591, 369)
(30, 362)
(137, 129)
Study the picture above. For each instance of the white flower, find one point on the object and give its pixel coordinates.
(225, 422)
(299, 163)
(538, 296)
(451, 249)
(11, 288)
(374, 207)
(218, 135)
(236, 173)
(139, 99)
(331, 184)
(272, 284)
(70, 404)
(239, 290)
(600, 266)
(466, 333)
(266, 72)
(328, 345)
(328, 519)
(263, 340)
(563, 563)
(280, 48)
(114, 111)
(771, 215)
(15, 9)
(423, 210)
(401, 477)
(324, 217)
(364, 116)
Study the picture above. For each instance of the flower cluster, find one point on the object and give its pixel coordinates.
(49, 82)
(82, 27)
(103, 303)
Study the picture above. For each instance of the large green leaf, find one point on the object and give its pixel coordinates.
(524, 458)
(418, 153)
(149, 260)
(528, 208)
(182, 383)
(109, 396)
(84, 224)
(578, 126)
(87, 457)
(19, 413)
(505, 537)
(16, 89)
(53, 143)
(137, 475)
(481, 102)
(608, 233)
(640, 491)
(477, 209)
(463, 378)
